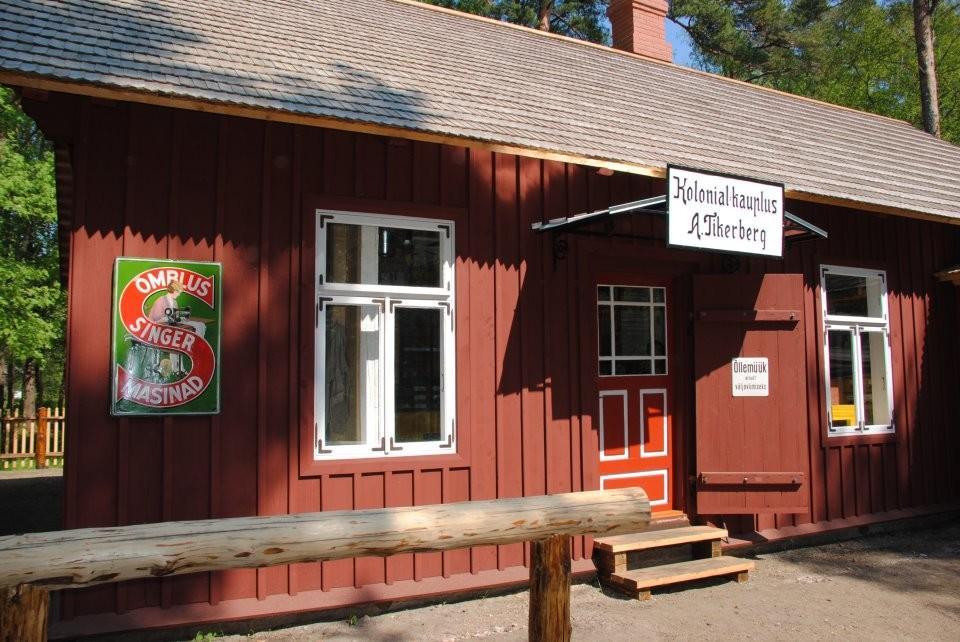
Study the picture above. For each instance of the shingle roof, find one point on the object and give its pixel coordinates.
(399, 64)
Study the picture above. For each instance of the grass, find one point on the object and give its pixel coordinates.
(28, 463)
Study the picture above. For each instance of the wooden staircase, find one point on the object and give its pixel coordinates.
(670, 552)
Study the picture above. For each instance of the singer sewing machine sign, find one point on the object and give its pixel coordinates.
(166, 337)
(725, 213)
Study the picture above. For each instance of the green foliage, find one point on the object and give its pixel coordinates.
(32, 304)
(857, 53)
(583, 19)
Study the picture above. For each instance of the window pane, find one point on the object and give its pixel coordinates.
(409, 257)
(343, 253)
(603, 329)
(631, 294)
(659, 331)
(660, 366)
(606, 367)
(873, 358)
(843, 408)
(631, 331)
(351, 373)
(659, 295)
(417, 378)
(854, 296)
(632, 367)
(603, 293)
(382, 255)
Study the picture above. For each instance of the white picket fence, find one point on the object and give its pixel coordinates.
(18, 439)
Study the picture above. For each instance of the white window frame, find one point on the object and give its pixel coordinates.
(388, 298)
(857, 326)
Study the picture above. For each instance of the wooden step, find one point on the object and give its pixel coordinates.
(640, 581)
(667, 519)
(658, 539)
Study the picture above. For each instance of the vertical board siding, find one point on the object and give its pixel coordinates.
(164, 183)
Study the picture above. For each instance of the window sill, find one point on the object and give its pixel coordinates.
(834, 441)
(310, 467)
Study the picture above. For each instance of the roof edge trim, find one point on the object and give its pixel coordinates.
(95, 90)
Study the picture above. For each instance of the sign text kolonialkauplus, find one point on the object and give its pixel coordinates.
(715, 212)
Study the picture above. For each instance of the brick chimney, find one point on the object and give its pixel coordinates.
(639, 26)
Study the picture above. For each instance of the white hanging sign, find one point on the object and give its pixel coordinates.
(716, 212)
(751, 377)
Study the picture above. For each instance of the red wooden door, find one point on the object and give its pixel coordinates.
(633, 375)
(751, 451)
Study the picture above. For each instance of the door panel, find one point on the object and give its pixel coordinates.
(751, 451)
(633, 386)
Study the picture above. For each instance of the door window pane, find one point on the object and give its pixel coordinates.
(842, 382)
(854, 296)
(351, 373)
(659, 331)
(632, 367)
(873, 373)
(417, 379)
(631, 294)
(371, 255)
(631, 330)
(603, 328)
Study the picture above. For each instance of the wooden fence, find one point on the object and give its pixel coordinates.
(32, 443)
(33, 564)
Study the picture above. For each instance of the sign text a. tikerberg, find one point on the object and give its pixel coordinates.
(716, 212)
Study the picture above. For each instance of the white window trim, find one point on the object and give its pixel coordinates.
(857, 325)
(388, 298)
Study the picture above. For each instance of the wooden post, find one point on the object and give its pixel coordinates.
(550, 590)
(40, 445)
(23, 614)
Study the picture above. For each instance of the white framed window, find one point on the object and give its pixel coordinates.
(384, 336)
(632, 330)
(856, 347)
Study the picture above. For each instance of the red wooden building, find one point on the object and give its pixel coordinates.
(403, 324)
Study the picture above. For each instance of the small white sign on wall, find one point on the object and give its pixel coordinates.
(751, 377)
(716, 212)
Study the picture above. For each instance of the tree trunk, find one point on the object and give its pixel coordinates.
(4, 383)
(38, 377)
(543, 17)
(10, 380)
(30, 389)
(927, 64)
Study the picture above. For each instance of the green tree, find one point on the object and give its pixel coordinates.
(31, 301)
(583, 19)
(857, 53)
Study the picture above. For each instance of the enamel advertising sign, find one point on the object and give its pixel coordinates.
(724, 213)
(166, 337)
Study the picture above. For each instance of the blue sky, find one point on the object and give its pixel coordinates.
(681, 44)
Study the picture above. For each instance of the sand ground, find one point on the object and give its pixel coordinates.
(896, 586)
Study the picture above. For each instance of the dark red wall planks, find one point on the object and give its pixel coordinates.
(168, 183)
